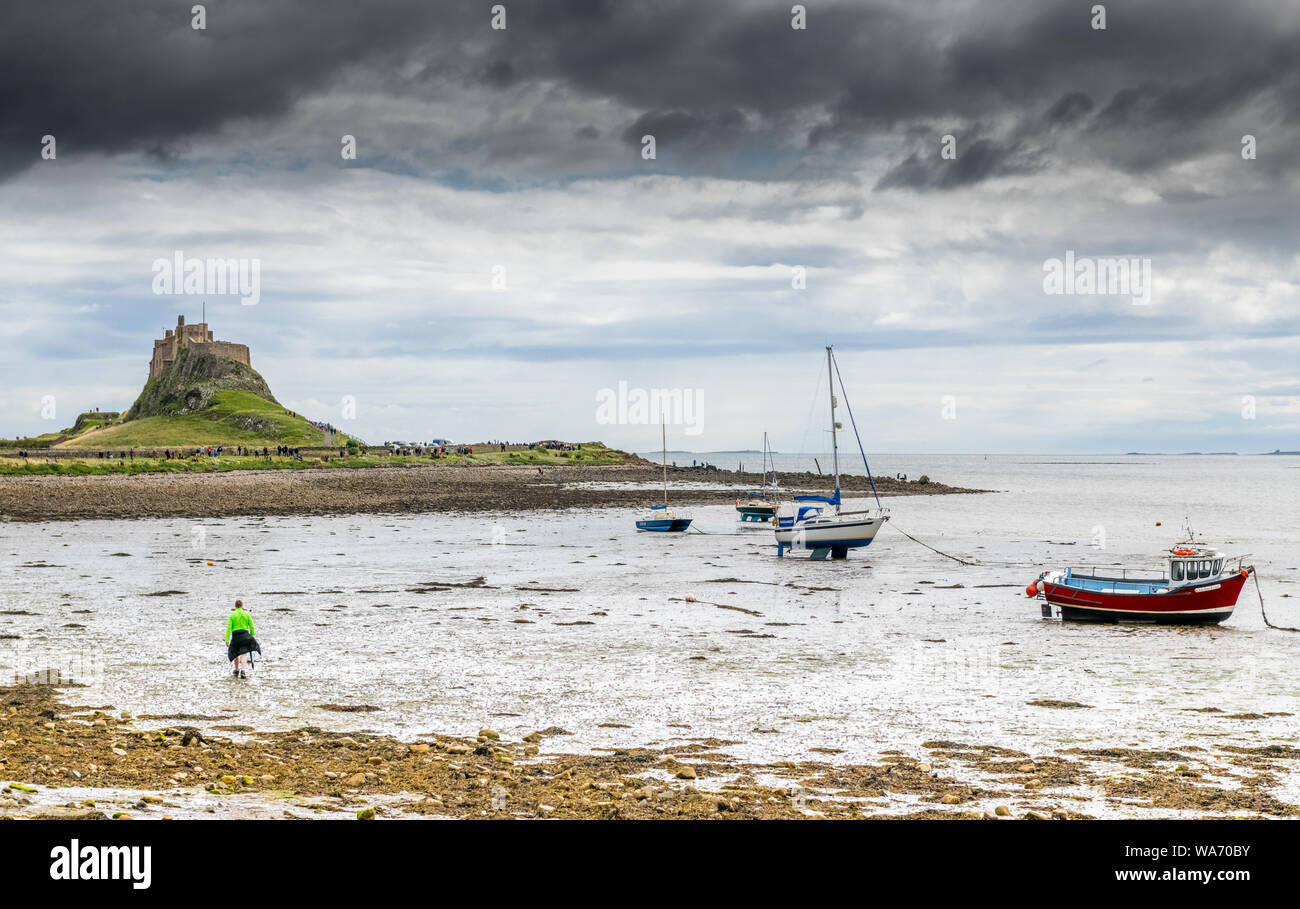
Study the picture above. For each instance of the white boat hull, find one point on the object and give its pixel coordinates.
(827, 534)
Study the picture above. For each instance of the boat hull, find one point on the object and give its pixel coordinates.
(756, 514)
(1203, 604)
(834, 537)
(664, 525)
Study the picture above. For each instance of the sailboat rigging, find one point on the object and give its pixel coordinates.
(758, 507)
(660, 519)
(826, 529)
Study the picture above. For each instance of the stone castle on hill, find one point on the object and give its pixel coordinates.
(172, 342)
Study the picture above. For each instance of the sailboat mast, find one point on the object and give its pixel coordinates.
(835, 448)
(764, 462)
(664, 426)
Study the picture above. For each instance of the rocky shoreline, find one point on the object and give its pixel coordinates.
(388, 490)
(160, 767)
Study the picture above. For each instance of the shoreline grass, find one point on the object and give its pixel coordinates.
(92, 466)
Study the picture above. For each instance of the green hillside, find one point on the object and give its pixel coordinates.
(230, 418)
(201, 400)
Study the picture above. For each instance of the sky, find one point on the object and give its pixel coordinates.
(894, 179)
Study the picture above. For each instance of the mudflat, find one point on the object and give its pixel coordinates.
(164, 767)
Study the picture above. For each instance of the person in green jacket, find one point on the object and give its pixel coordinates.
(240, 643)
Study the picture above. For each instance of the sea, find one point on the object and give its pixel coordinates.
(447, 623)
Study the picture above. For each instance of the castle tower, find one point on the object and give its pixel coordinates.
(174, 341)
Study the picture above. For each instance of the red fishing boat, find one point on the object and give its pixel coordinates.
(1196, 586)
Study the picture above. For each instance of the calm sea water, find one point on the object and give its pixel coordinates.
(580, 622)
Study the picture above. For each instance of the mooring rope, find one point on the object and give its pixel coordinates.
(931, 548)
(1260, 593)
(712, 533)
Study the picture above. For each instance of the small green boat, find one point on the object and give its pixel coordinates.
(758, 507)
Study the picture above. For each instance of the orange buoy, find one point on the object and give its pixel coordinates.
(1032, 590)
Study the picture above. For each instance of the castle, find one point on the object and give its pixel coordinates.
(172, 342)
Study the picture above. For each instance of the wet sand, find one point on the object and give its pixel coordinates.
(88, 763)
(387, 490)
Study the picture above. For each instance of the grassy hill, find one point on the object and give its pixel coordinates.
(200, 400)
(229, 418)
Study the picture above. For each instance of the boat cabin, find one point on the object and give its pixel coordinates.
(1189, 565)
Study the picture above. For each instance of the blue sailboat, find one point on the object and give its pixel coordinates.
(660, 519)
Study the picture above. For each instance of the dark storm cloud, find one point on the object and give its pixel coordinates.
(137, 78)
(722, 81)
(976, 160)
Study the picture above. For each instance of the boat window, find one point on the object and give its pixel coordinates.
(1218, 565)
(1177, 574)
(1205, 568)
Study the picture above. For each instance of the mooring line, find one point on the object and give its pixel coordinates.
(1260, 593)
(931, 548)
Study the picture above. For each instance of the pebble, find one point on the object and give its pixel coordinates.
(686, 772)
(488, 734)
(950, 798)
(1037, 816)
(366, 814)
(421, 748)
(1002, 811)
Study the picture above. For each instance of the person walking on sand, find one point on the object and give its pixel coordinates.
(240, 643)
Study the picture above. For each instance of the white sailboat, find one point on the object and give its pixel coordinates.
(826, 529)
(660, 519)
